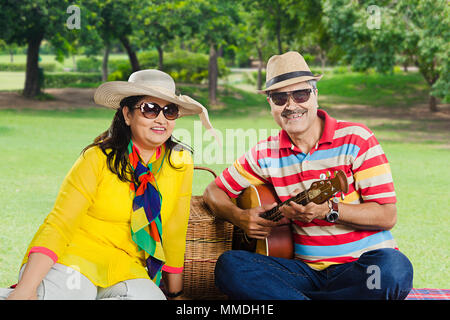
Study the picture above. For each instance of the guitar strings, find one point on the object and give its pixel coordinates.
(275, 215)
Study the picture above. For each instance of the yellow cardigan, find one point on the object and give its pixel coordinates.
(89, 226)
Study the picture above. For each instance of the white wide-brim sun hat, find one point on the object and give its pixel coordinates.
(154, 83)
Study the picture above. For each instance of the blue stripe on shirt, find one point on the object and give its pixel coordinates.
(343, 249)
(345, 149)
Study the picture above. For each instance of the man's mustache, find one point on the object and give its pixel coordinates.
(287, 112)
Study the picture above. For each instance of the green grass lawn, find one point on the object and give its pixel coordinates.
(50, 58)
(10, 81)
(39, 147)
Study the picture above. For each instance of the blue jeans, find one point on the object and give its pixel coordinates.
(377, 274)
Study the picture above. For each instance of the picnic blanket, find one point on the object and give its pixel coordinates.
(415, 294)
(429, 294)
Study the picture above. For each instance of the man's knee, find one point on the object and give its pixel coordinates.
(393, 264)
(229, 263)
(390, 271)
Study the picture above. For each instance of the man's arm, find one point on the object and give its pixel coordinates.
(248, 220)
(368, 216)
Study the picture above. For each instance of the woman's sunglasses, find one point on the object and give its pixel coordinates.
(299, 96)
(151, 110)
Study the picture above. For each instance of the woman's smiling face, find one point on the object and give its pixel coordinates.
(148, 133)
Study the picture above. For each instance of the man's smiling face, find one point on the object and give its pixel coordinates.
(295, 118)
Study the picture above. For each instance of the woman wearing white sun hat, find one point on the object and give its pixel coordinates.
(119, 222)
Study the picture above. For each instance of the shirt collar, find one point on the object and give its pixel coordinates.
(327, 134)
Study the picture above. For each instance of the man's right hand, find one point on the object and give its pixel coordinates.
(253, 225)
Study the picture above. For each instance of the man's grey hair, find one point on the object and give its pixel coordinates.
(313, 83)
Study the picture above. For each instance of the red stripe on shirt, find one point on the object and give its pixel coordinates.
(331, 240)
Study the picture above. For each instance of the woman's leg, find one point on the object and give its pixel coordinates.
(65, 283)
(4, 293)
(134, 289)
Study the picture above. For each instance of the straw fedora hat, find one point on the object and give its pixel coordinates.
(286, 69)
(153, 83)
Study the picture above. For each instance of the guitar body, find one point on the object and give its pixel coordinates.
(280, 242)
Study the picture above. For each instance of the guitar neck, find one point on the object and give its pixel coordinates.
(274, 213)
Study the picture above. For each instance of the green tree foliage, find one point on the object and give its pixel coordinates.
(371, 36)
(115, 19)
(28, 22)
(425, 26)
(161, 22)
(213, 22)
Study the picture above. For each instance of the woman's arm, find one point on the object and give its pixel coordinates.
(173, 283)
(35, 270)
(50, 241)
(174, 232)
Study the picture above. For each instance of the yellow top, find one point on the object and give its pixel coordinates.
(89, 226)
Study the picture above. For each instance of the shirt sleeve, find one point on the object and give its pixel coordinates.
(372, 173)
(76, 194)
(244, 172)
(174, 232)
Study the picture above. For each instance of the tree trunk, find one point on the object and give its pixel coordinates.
(11, 55)
(405, 66)
(430, 76)
(131, 54)
(160, 58)
(260, 64)
(323, 59)
(213, 73)
(432, 103)
(32, 83)
(105, 63)
(278, 31)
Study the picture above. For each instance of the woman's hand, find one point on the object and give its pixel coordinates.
(22, 294)
(181, 297)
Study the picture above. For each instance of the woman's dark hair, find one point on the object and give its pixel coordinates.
(114, 142)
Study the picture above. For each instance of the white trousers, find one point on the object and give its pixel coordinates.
(64, 283)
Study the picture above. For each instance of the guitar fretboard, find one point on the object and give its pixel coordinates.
(274, 214)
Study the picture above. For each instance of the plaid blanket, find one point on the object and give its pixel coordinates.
(415, 294)
(429, 294)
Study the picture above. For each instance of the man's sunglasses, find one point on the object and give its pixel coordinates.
(299, 96)
(151, 110)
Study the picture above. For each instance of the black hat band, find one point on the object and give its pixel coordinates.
(287, 76)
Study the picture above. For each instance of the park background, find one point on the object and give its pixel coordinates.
(385, 64)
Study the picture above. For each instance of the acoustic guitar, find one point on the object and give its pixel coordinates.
(280, 242)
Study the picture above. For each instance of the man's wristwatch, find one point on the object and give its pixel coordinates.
(333, 214)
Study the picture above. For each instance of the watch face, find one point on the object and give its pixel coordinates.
(332, 217)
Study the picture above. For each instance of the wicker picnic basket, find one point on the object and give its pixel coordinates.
(207, 238)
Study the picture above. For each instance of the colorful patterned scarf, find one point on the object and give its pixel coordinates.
(146, 227)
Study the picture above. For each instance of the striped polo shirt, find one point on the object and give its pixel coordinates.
(344, 145)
